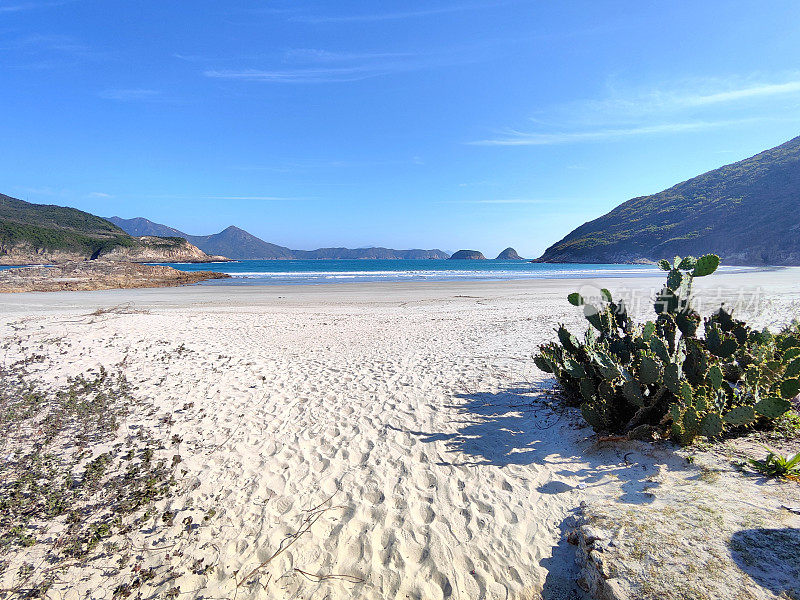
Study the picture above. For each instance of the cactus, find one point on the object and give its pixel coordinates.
(772, 407)
(628, 377)
(740, 415)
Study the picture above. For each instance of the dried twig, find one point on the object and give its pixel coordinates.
(312, 516)
(323, 577)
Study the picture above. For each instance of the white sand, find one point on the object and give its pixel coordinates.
(411, 405)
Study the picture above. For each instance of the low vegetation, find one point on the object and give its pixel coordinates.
(45, 239)
(777, 465)
(75, 486)
(666, 376)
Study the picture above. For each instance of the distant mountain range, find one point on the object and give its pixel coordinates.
(747, 212)
(240, 245)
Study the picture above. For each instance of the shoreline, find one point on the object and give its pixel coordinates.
(783, 280)
(102, 275)
(240, 279)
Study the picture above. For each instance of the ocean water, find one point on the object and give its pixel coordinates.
(284, 272)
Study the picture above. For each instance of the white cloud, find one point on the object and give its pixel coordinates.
(99, 195)
(314, 65)
(333, 70)
(6, 7)
(764, 90)
(395, 16)
(499, 201)
(519, 138)
(192, 197)
(684, 107)
(309, 75)
(623, 102)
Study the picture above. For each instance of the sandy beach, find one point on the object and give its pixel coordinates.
(405, 423)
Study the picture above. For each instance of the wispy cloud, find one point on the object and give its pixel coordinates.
(99, 195)
(694, 94)
(132, 95)
(318, 66)
(327, 56)
(763, 90)
(395, 16)
(308, 75)
(520, 138)
(11, 7)
(287, 166)
(498, 201)
(684, 107)
(197, 197)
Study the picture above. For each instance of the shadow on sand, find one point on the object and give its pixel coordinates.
(523, 426)
(771, 557)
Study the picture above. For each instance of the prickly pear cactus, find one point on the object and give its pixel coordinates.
(625, 375)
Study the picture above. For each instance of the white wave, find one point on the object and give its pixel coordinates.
(537, 272)
(443, 274)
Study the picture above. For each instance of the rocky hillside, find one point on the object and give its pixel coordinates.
(509, 254)
(467, 255)
(161, 249)
(240, 245)
(41, 233)
(747, 212)
(98, 275)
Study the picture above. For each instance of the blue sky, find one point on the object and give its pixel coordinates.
(448, 124)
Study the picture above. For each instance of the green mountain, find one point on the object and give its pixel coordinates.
(509, 254)
(46, 230)
(43, 233)
(747, 212)
(140, 226)
(467, 255)
(238, 244)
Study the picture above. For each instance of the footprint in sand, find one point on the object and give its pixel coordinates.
(423, 513)
(283, 504)
(374, 496)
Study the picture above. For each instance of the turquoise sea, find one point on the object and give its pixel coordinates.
(348, 271)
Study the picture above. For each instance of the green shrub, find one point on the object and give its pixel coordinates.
(637, 379)
(777, 465)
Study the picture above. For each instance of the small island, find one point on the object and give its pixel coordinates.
(467, 255)
(509, 254)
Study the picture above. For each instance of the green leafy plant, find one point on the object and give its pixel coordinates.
(639, 378)
(776, 465)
